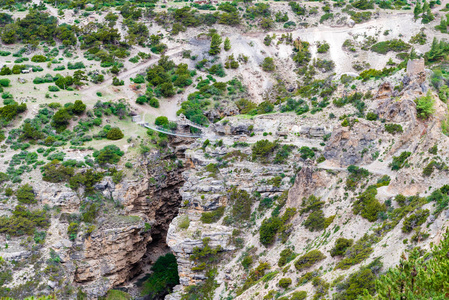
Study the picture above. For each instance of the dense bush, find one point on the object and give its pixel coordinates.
(25, 194)
(78, 107)
(309, 259)
(285, 282)
(22, 221)
(286, 256)
(161, 121)
(262, 150)
(114, 134)
(241, 203)
(393, 128)
(163, 278)
(341, 244)
(399, 161)
(108, 155)
(425, 106)
(367, 205)
(212, 216)
(61, 119)
(358, 252)
(415, 220)
(268, 64)
(54, 171)
(421, 275)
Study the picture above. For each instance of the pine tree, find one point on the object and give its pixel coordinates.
(215, 44)
(227, 44)
(418, 10)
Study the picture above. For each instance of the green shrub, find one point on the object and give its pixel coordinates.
(286, 256)
(309, 259)
(53, 88)
(428, 170)
(38, 58)
(108, 155)
(72, 230)
(184, 222)
(399, 161)
(285, 282)
(25, 194)
(114, 134)
(367, 205)
(356, 175)
(141, 100)
(301, 295)
(78, 107)
(241, 203)
(306, 152)
(4, 82)
(161, 121)
(340, 247)
(262, 149)
(395, 45)
(425, 106)
(415, 220)
(268, 64)
(272, 226)
(154, 102)
(117, 295)
(24, 222)
(213, 216)
(55, 172)
(393, 128)
(163, 278)
(371, 116)
(357, 253)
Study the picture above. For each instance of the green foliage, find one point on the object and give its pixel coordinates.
(358, 252)
(306, 153)
(213, 216)
(414, 220)
(301, 295)
(362, 281)
(163, 278)
(309, 259)
(72, 230)
(425, 106)
(285, 282)
(114, 134)
(356, 175)
(55, 172)
(268, 64)
(25, 194)
(215, 44)
(438, 51)
(340, 247)
(78, 107)
(263, 149)
(108, 155)
(184, 222)
(117, 295)
(161, 121)
(24, 222)
(399, 161)
(367, 205)
(393, 128)
(286, 256)
(60, 120)
(241, 203)
(87, 179)
(421, 275)
(272, 226)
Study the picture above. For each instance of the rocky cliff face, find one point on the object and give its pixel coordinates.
(225, 163)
